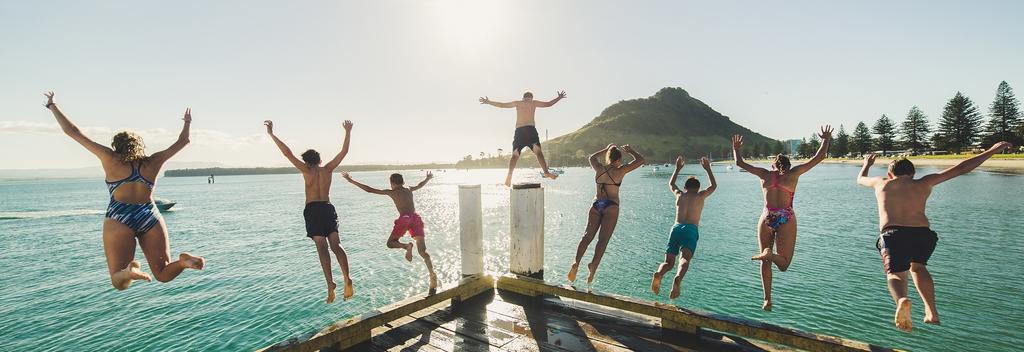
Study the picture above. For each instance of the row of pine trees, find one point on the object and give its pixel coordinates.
(960, 128)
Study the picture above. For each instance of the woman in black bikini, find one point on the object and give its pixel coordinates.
(131, 215)
(604, 214)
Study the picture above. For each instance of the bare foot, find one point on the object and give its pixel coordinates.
(766, 254)
(191, 261)
(572, 272)
(122, 279)
(767, 305)
(508, 181)
(656, 283)
(550, 175)
(408, 252)
(330, 292)
(903, 320)
(349, 290)
(433, 281)
(590, 275)
(931, 319)
(675, 288)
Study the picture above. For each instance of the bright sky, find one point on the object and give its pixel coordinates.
(408, 73)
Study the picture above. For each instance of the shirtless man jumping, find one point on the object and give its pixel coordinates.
(683, 237)
(321, 218)
(526, 131)
(906, 241)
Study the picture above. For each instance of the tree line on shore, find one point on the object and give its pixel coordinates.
(960, 128)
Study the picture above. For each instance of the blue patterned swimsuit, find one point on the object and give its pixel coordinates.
(138, 217)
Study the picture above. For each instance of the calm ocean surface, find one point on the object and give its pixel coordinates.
(263, 284)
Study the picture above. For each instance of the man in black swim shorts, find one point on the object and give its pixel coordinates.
(321, 218)
(906, 242)
(526, 130)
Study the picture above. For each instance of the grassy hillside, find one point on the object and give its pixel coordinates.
(660, 127)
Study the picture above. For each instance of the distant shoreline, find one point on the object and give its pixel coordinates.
(242, 171)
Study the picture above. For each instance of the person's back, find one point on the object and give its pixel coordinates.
(608, 181)
(404, 202)
(526, 112)
(689, 206)
(779, 188)
(901, 202)
(318, 184)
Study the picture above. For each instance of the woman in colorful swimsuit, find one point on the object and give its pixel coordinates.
(132, 216)
(604, 213)
(777, 226)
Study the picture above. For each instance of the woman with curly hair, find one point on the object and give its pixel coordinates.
(132, 216)
(777, 226)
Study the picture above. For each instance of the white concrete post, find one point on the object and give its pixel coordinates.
(527, 233)
(471, 230)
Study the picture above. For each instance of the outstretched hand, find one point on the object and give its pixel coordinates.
(49, 98)
(869, 159)
(345, 175)
(347, 125)
(430, 175)
(270, 126)
(188, 115)
(998, 147)
(704, 162)
(826, 132)
(485, 100)
(561, 94)
(737, 142)
(680, 161)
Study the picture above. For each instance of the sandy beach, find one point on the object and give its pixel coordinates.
(1009, 164)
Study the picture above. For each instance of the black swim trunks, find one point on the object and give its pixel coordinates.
(321, 219)
(901, 245)
(526, 137)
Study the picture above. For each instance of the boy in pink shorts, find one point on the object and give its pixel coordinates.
(408, 221)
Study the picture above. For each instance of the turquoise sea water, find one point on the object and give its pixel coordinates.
(263, 284)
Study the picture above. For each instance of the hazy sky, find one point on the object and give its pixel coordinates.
(408, 73)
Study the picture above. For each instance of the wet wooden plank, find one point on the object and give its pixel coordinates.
(358, 329)
(423, 335)
(680, 317)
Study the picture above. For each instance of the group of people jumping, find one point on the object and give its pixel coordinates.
(905, 242)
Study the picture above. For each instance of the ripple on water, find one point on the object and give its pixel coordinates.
(263, 281)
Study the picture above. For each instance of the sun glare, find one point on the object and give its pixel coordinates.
(468, 26)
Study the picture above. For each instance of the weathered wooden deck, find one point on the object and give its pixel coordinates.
(525, 314)
(505, 321)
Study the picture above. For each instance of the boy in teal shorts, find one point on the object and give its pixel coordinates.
(683, 238)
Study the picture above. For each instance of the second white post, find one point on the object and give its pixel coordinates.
(527, 230)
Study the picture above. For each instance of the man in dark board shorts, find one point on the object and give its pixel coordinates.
(906, 241)
(321, 218)
(526, 130)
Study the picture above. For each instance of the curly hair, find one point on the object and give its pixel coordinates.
(129, 147)
(781, 163)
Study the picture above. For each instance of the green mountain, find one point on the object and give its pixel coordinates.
(660, 127)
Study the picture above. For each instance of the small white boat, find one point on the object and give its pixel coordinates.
(163, 204)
